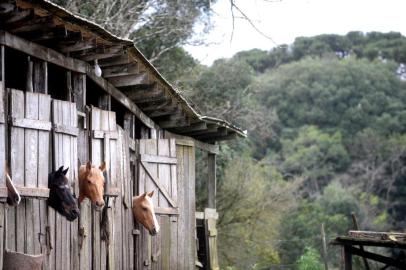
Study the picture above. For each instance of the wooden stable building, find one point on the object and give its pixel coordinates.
(55, 111)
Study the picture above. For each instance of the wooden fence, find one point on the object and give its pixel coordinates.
(38, 134)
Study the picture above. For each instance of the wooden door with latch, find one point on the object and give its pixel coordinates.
(157, 171)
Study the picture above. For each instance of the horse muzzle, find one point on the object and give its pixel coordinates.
(98, 206)
(73, 214)
(153, 232)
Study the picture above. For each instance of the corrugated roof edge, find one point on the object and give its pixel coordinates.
(94, 27)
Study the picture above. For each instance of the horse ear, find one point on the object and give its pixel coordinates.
(60, 169)
(88, 166)
(65, 171)
(102, 167)
(151, 193)
(144, 195)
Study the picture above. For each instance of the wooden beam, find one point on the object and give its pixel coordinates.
(6, 8)
(41, 52)
(120, 97)
(151, 99)
(211, 148)
(221, 132)
(347, 258)
(120, 70)
(116, 61)
(158, 159)
(165, 112)
(213, 139)
(375, 257)
(40, 76)
(174, 123)
(142, 94)
(156, 105)
(129, 80)
(211, 128)
(53, 35)
(211, 180)
(18, 16)
(38, 23)
(346, 240)
(192, 128)
(101, 53)
(67, 47)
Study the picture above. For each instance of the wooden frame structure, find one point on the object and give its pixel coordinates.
(55, 110)
(356, 241)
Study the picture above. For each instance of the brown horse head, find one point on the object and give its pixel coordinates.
(144, 213)
(91, 184)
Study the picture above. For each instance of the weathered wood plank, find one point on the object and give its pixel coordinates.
(158, 184)
(40, 77)
(211, 180)
(158, 158)
(17, 169)
(67, 130)
(129, 80)
(120, 97)
(35, 192)
(164, 170)
(181, 203)
(192, 205)
(31, 123)
(41, 52)
(44, 154)
(96, 157)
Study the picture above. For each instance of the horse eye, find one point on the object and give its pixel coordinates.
(89, 181)
(144, 209)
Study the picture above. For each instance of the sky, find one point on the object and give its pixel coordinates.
(285, 20)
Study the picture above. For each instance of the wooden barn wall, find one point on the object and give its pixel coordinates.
(186, 199)
(44, 134)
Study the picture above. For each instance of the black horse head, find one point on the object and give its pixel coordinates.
(60, 195)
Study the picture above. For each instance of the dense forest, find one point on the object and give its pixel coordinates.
(326, 118)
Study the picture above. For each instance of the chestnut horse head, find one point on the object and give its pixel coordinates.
(144, 213)
(91, 184)
(60, 195)
(13, 196)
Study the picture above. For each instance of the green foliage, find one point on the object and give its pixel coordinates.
(301, 228)
(247, 203)
(326, 135)
(310, 260)
(346, 95)
(315, 155)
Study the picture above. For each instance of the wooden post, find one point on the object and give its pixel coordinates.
(323, 239)
(356, 227)
(79, 91)
(40, 77)
(129, 124)
(211, 180)
(69, 88)
(347, 258)
(105, 102)
(29, 84)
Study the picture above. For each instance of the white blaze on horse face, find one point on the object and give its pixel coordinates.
(156, 224)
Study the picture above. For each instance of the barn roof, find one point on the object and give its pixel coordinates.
(123, 65)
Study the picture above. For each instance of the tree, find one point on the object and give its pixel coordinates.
(300, 227)
(249, 194)
(310, 260)
(346, 95)
(314, 155)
